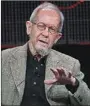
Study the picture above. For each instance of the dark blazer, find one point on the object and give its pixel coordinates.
(13, 78)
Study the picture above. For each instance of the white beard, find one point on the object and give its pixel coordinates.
(43, 51)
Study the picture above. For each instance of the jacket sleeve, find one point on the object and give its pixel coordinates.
(82, 94)
(6, 79)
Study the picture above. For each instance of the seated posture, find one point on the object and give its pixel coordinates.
(36, 75)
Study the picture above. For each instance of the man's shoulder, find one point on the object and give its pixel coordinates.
(57, 59)
(10, 50)
(13, 50)
(61, 56)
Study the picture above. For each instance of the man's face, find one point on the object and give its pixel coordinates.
(43, 39)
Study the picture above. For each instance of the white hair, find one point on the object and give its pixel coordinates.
(47, 5)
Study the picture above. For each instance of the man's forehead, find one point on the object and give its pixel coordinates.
(48, 16)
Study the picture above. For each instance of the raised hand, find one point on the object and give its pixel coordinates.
(62, 76)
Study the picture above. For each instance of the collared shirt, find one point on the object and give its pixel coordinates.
(34, 92)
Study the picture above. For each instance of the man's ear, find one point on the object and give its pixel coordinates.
(28, 27)
(58, 37)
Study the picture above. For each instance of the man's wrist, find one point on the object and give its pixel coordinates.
(73, 87)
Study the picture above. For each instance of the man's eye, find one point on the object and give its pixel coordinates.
(41, 26)
(52, 29)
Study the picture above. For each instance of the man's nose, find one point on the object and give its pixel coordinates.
(46, 32)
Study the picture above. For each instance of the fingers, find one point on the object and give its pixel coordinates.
(55, 72)
(61, 72)
(60, 75)
(69, 74)
(51, 81)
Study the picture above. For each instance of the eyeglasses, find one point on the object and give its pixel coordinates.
(41, 26)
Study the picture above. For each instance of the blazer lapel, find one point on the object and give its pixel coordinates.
(18, 68)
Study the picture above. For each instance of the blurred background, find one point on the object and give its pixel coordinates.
(76, 30)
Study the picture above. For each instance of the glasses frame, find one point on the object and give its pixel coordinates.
(50, 28)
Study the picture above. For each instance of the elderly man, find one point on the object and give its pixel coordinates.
(36, 75)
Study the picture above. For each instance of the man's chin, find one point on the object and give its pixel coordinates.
(43, 51)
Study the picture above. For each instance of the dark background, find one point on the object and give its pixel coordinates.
(76, 33)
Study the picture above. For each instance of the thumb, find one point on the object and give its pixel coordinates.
(51, 81)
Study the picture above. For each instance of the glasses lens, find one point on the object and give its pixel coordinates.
(52, 30)
(41, 26)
